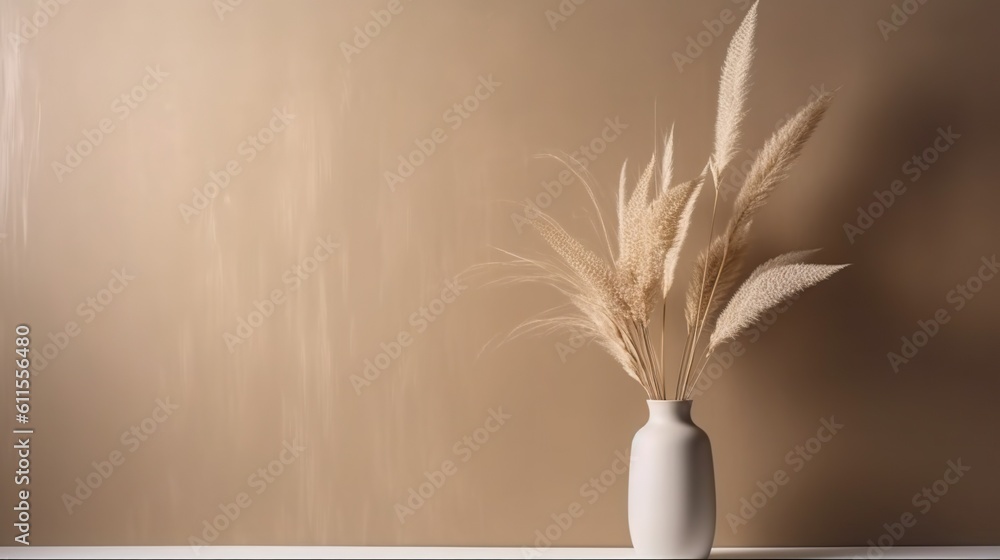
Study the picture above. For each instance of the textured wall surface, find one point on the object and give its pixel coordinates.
(290, 343)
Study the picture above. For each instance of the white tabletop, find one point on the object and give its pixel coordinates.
(467, 552)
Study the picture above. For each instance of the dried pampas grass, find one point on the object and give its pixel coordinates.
(772, 283)
(734, 87)
(613, 296)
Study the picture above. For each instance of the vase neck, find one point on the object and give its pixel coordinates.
(669, 411)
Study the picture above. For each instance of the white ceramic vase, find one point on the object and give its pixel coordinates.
(671, 485)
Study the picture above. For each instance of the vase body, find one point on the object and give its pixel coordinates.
(671, 485)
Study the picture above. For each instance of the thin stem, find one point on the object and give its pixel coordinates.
(590, 193)
(663, 356)
(633, 341)
(704, 363)
(680, 366)
(655, 362)
(642, 348)
(687, 366)
(627, 336)
(647, 359)
(701, 292)
(715, 284)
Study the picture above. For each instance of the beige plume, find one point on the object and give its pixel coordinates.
(667, 163)
(734, 86)
(675, 221)
(776, 158)
(612, 296)
(715, 273)
(772, 283)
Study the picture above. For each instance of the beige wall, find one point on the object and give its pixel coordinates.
(323, 176)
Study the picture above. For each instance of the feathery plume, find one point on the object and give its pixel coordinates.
(776, 158)
(667, 162)
(676, 220)
(640, 196)
(715, 274)
(622, 198)
(594, 275)
(734, 87)
(772, 283)
(769, 168)
(611, 300)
